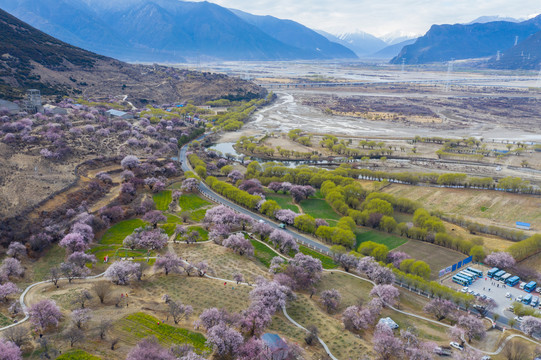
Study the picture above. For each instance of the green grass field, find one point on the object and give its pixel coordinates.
(390, 241)
(100, 251)
(141, 325)
(283, 200)
(202, 232)
(116, 233)
(326, 261)
(319, 209)
(51, 258)
(173, 219)
(198, 215)
(163, 199)
(192, 202)
(263, 253)
(77, 355)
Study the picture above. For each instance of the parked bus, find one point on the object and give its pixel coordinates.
(527, 299)
(492, 271)
(512, 281)
(505, 277)
(475, 271)
(465, 277)
(499, 274)
(470, 274)
(460, 280)
(529, 287)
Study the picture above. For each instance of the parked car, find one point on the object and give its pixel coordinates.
(518, 318)
(443, 351)
(519, 298)
(456, 345)
(521, 286)
(486, 357)
(464, 289)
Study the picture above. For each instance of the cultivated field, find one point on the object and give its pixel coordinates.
(435, 256)
(489, 207)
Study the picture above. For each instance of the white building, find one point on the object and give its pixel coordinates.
(389, 322)
(11, 107)
(119, 114)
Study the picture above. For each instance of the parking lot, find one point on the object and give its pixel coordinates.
(497, 291)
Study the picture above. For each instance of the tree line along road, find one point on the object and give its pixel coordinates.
(207, 192)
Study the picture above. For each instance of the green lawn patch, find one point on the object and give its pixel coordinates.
(198, 215)
(319, 208)
(77, 355)
(192, 202)
(168, 228)
(163, 199)
(173, 219)
(378, 237)
(141, 325)
(204, 234)
(101, 251)
(51, 258)
(326, 261)
(4, 320)
(116, 233)
(263, 253)
(283, 200)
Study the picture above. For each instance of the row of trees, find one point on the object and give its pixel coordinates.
(233, 193)
(474, 227)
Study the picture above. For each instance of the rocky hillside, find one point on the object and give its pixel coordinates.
(30, 58)
(525, 55)
(446, 42)
(172, 30)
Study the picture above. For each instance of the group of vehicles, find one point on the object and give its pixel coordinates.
(508, 279)
(505, 277)
(467, 276)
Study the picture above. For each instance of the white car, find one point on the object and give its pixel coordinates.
(518, 318)
(508, 295)
(465, 289)
(486, 357)
(456, 345)
(519, 298)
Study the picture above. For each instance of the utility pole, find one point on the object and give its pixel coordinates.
(448, 77)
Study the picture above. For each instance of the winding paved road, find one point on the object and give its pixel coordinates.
(207, 192)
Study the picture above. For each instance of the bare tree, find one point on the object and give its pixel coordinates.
(515, 351)
(102, 290)
(114, 342)
(103, 327)
(141, 270)
(311, 335)
(47, 352)
(17, 334)
(54, 275)
(73, 335)
(82, 297)
(179, 311)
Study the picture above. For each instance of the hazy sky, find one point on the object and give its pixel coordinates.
(380, 17)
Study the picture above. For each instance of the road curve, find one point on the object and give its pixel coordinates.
(209, 193)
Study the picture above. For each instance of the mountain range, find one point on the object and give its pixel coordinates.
(32, 59)
(360, 42)
(478, 40)
(525, 55)
(172, 30)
